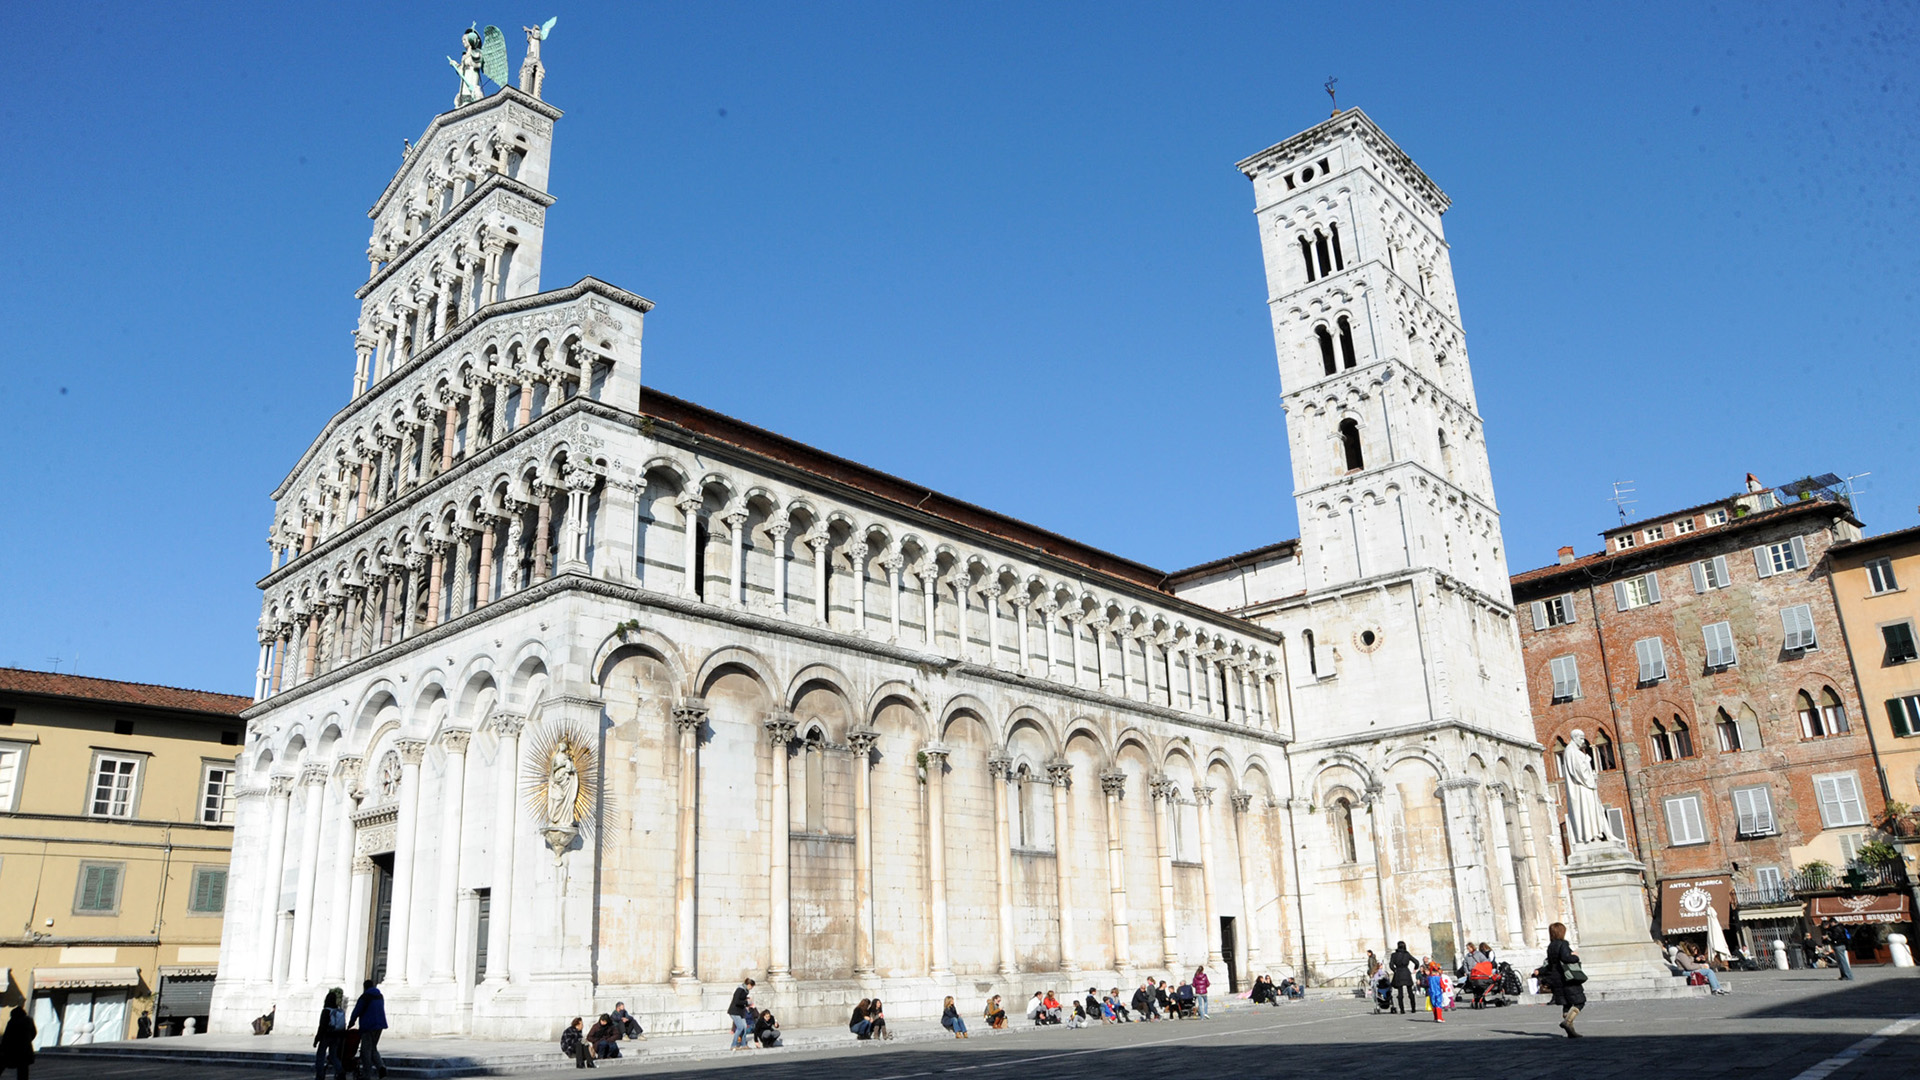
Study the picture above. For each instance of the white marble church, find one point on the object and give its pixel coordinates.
(571, 691)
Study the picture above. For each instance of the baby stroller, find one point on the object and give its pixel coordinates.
(1480, 980)
(1382, 995)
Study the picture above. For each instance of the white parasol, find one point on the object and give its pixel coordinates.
(1716, 935)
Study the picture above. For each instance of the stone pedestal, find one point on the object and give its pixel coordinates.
(1610, 927)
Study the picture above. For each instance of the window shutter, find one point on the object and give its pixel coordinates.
(1539, 615)
(1646, 666)
(1799, 552)
(1847, 796)
(1616, 823)
(1653, 588)
(1573, 677)
(1825, 791)
(1760, 560)
(1566, 607)
(1658, 650)
(1897, 717)
(1720, 573)
(1743, 811)
(1762, 810)
(1699, 577)
(1619, 596)
(1695, 830)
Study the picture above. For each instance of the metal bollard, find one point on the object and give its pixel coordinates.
(1779, 955)
(1902, 955)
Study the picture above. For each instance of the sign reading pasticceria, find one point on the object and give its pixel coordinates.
(1684, 903)
(1882, 908)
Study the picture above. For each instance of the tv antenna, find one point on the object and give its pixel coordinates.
(1329, 89)
(1620, 500)
(1856, 484)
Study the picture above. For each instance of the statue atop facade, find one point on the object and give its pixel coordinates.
(1586, 819)
(532, 71)
(469, 66)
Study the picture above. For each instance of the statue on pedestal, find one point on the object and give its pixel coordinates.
(532, 71)
(469, 66)
(1586, 818)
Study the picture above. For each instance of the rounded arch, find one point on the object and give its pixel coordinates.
(820, 673)
(617, 645)
(898, 692)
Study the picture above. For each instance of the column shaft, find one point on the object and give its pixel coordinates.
(863, 742)
(314, 780)
(1063, 860)
(1169, 921)
(447, 883)
(1113, 784)
(1203, 806)
(280, 790)
(779, 883)
(937, 859)
(500, 887)
(1003, 862)
(688, 717)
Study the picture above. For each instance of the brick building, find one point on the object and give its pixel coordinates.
(1701, 653)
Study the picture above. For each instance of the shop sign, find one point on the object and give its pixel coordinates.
(1855, 910)
(1684, 903)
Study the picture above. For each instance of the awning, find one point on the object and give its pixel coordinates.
(6, 979)
(79, 978)
(1684, 903)
(1754, 913)
(189, 971)
(1877, 908)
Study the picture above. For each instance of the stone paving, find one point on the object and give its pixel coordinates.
(1775, 1024)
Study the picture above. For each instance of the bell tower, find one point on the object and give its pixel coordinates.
(1389, 460)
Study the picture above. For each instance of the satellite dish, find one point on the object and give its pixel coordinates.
(493, 55)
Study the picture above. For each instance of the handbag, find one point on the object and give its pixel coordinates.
(1571, 972)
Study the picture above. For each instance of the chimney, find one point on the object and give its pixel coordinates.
(1566, 555)
(1754, 486)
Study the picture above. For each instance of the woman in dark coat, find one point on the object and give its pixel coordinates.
(16, 1046)
(1570, 996)
(1402, 963)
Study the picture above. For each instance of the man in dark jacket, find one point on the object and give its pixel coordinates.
(370, 1013)
(1401, 963)
(1143, 1003)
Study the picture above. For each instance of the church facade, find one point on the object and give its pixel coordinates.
(570, 691)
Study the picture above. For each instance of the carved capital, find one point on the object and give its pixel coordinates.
(1162, 788)
(863, 740)
(456, 739)
(507, 724)
(279, 787)
(362, 864)
(1203, 795)
(690, 714)
(1061, 773)
(410, 750)
(1114, 783)
(780, 728)
(999, 765)
(1242, 801)
(349, 768)
(313, 774)
(689, 505)
(936, 754)
(581, 480)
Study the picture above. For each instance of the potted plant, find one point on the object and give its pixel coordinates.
(1900, 820)
(1817, 874)
(1878, 854)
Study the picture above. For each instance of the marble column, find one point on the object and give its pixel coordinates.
(1113, 785)
(542, 533)
(688, 716)
(928, 603)
(777, 532)
(359, 913)
(1242, 802)
(690, 545)
(819, 544)
(737, 563)
(780, 728)
(1164, 794)
(483, 589)
(510, 564)
(1120, 646)
(857, 552)
(1021, 604)
(1094, 630)
(963, 594)
(1472, 899)
(936, 766)
(500, 891)
(279, 791)
(436, 573)
(313, 779)
(894, 564)
(1061, 774)
(399, 925)
(573, 547)
(447, 882)
(999, 765)
(1203, 807)
(990, 604)
(862, 742)
(346, 771)
(1073, 620)
(1503, 862)
(1047, 611)
(1193, 687)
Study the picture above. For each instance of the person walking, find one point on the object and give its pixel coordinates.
(1200, 985)
(737, 1009)
(1401, 963)
(1837, 937)
(1562, 975)
(370, 1013)
(16, 1044)
(950, 1019)
(328, 1036)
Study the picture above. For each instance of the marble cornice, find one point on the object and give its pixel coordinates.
(494, 182)
(449, 342)
(503, 96)
(1323, 134)
(1383, 736)
(1405, 575)
(565, 584)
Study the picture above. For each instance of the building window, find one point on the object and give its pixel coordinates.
(1796, 626)
(1623, 542)
(1603, 756)
(1636, 592)
(1684, 825)
(98, 890)
(1341, 815)
(387, 784)
(1327, 362)
(1710, 574)
(1840, 802)
(1904, 714)
(1566, 678)
(1553, 611)
(1769, 883)
(1833, 714)
(1900, 644)
(1683, 526)
(815, 757)
(13, 764)
(114, 785)
(1728, 733)
(1753, 807)
(216, 795)
(1719, 639)
(1652, 654)
(1716, 517)
(1880, 575)
(1672, 742)
(1616, 823)
(209, 895)
(1779, 558)
(1656, 533)
(1350, 445)
(1347, 357)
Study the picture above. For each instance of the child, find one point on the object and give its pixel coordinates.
(1436, 992)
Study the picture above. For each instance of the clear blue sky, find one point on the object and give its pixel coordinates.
(999, 249)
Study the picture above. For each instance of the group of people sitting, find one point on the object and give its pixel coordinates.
(752, 1025)
(1685, 958)
(869, 1020)
(601, 1041)
(1266, 993)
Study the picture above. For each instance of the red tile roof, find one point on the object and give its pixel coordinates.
(82, 688)
(1685, 541)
